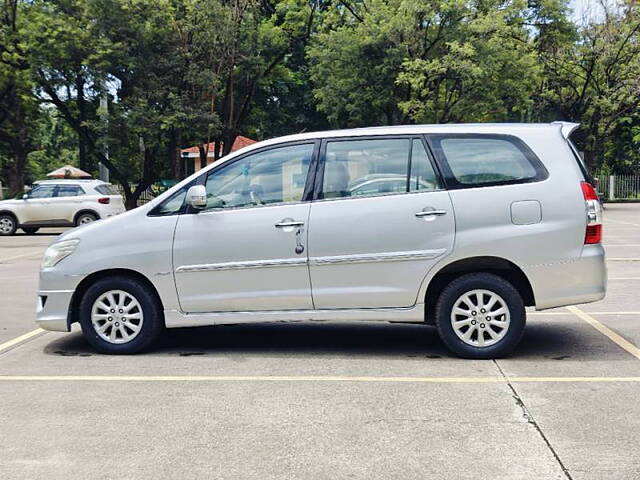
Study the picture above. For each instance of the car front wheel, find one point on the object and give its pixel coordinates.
(480, 315)
(120, 315)
(8, 225)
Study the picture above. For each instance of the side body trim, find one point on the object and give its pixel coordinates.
(288, 262)
(378, 257)
(414, 314)
(278, 262)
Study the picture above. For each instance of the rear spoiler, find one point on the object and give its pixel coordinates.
(566, 128)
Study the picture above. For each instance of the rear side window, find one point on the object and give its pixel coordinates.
(107, 189)
(485, 160)
(69, 191)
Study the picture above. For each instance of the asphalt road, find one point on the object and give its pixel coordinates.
(316, 400)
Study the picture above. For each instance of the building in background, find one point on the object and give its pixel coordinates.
(191, 155)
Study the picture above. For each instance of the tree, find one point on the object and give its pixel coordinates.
(596, 80)
(398, 61)
(236, 52)
(86, 49)
(18, 108)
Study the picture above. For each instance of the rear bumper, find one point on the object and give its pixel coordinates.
(582, 280)
(53, 309)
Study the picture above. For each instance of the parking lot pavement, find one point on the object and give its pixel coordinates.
(322, 400)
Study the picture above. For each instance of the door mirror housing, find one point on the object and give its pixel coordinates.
(197, 197)
(25, 196)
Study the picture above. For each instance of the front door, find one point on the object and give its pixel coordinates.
(246, 250)
(381, 221)
(37, 208)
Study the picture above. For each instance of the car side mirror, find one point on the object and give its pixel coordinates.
(25, 196)
(197, 197)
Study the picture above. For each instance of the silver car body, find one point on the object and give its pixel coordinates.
(368, 258)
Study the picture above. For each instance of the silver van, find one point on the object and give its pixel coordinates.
(457, 226)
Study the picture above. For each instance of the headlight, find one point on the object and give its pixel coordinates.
(58, 251)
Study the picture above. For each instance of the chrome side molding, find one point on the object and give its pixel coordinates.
(316, 261)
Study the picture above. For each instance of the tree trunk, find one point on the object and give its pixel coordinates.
(203, 152)
(175, 159)
(228, 137)
(14, 173)
(83, 155)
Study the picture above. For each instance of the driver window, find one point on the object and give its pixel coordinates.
(43, 191)
(265, 178)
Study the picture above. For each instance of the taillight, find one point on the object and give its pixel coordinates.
(104, 200)
(593, 232)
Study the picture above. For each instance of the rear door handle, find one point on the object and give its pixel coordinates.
(426, 213)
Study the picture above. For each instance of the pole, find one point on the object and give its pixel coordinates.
(612, 187)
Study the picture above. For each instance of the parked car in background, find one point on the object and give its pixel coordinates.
(457, 226)
(60, 203)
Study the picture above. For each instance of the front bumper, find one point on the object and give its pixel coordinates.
(53, 308)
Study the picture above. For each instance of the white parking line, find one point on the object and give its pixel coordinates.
(306, 378)
(6, 345)
(606, 331)
(622, 259)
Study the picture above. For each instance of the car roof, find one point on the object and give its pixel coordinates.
(444, 128)
(71, 180)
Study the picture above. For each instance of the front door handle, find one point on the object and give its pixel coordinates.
(426, 213)
(286, 223)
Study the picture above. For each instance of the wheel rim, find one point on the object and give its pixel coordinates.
(117, 316)
(85, 219)
(480, 318)
(6, 225)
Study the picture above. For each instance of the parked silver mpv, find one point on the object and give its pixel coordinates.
(457, 226)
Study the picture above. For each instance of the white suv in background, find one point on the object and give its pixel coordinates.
(60, 203)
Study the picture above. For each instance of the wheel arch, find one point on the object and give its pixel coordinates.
(95, 276)
(11, 214)
(85, 210)
(486, 264)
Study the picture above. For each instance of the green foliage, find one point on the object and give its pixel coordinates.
(175, 73)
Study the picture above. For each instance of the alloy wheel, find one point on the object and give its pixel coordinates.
(6, 225)
(480, 318)
(117, 316)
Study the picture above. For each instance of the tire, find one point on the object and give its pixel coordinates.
(85, 218)
(8, 224)
(114, 291)
(496, 337)
(30, 230)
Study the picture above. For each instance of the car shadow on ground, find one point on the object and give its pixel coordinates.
(541, 340)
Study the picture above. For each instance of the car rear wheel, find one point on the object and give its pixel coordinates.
(85, 218)
(120, 315)
(8, 225)
(480, 315)
(30, 230)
